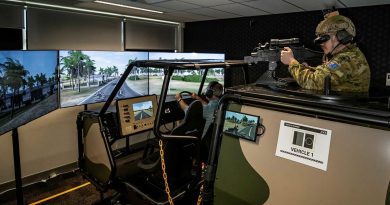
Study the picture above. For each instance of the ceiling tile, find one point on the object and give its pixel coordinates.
(206, 3)
(273, 6)
(188, 15)
(240, 0)
(213, 13)
(356, 3)
(316, 4)
(239, 9)
(154, 1)
(177, 5)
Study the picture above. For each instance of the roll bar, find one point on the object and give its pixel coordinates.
(169, 67)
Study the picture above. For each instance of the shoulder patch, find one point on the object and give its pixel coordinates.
(333, 65)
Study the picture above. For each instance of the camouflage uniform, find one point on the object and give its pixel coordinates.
(348, 69)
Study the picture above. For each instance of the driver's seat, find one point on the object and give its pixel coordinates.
(181, 150)
(193, 122)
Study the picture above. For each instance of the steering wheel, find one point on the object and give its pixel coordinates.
(181, 96)
(185, 92)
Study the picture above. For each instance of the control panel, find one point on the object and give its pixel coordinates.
(136, 114)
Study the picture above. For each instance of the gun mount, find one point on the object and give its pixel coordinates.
(270, 52)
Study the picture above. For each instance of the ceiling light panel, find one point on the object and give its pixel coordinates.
(127, 6)
(141, 4)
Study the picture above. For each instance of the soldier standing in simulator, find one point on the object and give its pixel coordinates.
(343, 61)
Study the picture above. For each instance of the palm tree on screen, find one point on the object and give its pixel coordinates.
(90, 68)
(14, 74)
(74, 64)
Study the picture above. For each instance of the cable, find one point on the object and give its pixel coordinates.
(262, 130)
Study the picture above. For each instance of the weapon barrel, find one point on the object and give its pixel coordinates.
(284, 42)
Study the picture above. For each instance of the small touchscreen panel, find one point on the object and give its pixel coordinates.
(241, 125)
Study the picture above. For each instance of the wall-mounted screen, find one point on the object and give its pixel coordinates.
(28, 86)
(136, 114)
(241, 125)
(90, 76)
(184, 80)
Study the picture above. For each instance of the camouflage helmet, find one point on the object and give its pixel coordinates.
(334, 24)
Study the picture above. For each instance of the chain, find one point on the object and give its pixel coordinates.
(160, 143)
(165, 177)
(200, 198)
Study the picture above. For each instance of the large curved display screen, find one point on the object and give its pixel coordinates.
(28, 86)
(90, 76)
(184, 80)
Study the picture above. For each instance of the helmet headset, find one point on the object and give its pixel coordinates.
(334, 23)
(212, 89)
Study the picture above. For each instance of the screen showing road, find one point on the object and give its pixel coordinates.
(90, 76)
(143, 110)
(184, 80)
(241, 125)
(28, 86)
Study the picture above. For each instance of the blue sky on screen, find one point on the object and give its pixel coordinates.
(104, 59)
(142, 105)
(173, 56)
(239, 116)
(35, 62)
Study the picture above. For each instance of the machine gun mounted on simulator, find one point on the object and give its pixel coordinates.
(270, 52)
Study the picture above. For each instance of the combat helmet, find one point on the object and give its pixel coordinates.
(338, 25)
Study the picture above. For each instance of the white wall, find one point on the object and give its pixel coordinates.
(45, 143)
(6, 158)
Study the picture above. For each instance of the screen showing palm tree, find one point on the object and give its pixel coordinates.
(28, 86)
(90, 76)
(184, 80)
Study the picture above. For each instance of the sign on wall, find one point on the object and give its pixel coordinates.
(304, 144)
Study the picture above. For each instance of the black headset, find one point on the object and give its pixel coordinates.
(344, 37)
(211, 91)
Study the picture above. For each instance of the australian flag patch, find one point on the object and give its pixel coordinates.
(333, 65)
